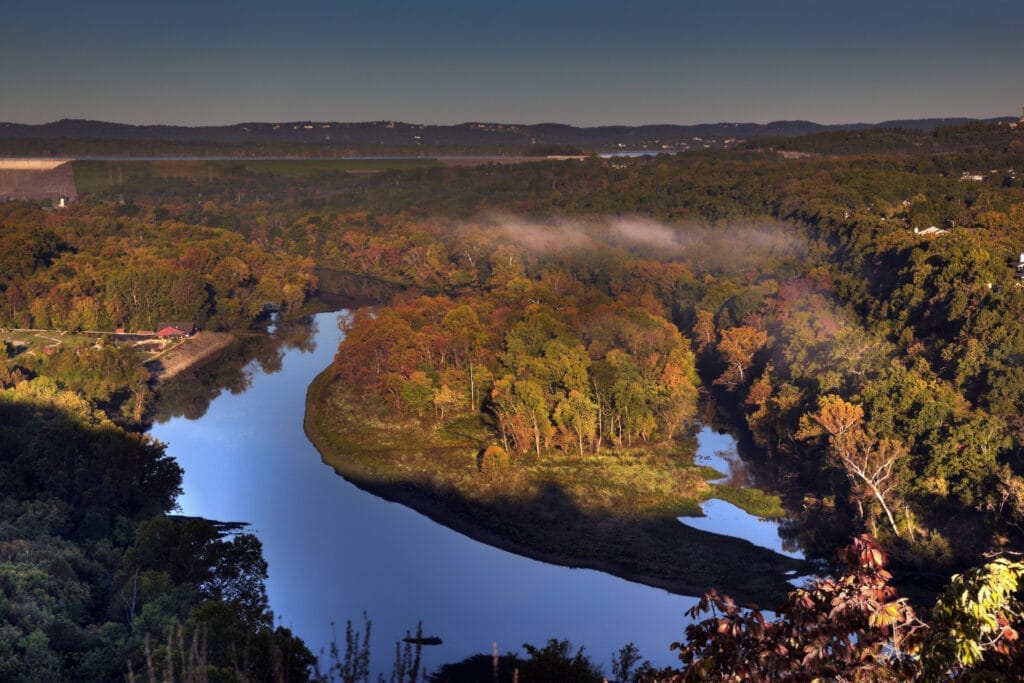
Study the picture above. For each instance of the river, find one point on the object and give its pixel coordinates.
(335, 551)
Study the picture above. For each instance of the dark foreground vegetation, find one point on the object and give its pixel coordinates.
(97, 580)
(851, 627)
(547, 331)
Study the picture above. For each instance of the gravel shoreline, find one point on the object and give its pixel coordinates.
(195, 350)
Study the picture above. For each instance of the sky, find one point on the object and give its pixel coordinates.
(529, 61)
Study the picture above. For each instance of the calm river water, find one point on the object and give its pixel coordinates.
(335, 551)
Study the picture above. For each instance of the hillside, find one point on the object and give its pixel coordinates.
(322, 138)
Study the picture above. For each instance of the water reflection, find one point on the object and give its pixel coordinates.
(719, 450)
(817, 526)
(189, 393)
(725, 518)
(334, 550)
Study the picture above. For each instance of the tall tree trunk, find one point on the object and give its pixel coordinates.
(881, 501)
(536, 433)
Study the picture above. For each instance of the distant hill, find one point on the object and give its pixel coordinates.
(899, 139)
(392, 133)
(77, 136)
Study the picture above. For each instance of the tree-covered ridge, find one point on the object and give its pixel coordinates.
(103, 267)
(899, 138)
(325, 139)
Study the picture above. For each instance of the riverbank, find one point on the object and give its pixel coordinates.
(616, 514)
(193, 351)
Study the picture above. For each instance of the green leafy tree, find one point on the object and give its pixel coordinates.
(577, 415)
(975, 626)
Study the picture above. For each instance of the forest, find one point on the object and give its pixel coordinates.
(558, 316)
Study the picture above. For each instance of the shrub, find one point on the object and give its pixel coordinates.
(494, 461)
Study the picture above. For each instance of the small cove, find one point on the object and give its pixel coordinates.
(721, 517)
(718, 450)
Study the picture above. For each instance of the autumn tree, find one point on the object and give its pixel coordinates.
(852, 627)
(869, 462)
(736, 347)
(576, 414)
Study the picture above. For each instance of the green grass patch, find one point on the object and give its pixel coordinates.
(95, 176)
(709, 473)
(34, 341)
(471, 428)
(753, 501)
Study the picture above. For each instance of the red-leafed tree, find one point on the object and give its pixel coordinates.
(855, 628)
(848, 628)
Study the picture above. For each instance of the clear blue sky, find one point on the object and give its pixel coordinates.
(527, 61)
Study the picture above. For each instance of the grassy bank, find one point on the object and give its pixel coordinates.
(616, 513)
(754, 501)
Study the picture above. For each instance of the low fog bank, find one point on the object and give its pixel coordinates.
(729, 247)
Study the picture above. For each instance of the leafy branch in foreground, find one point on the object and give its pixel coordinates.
(854, 627)
(976, 624)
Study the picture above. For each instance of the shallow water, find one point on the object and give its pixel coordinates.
(719, 451)
(727, 519)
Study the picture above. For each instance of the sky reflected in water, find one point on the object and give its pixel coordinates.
(335, 551)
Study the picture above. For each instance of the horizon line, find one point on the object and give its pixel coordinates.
(504, 123)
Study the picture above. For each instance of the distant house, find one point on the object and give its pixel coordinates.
(1019, 267)
(931, 230)
(178, 329)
